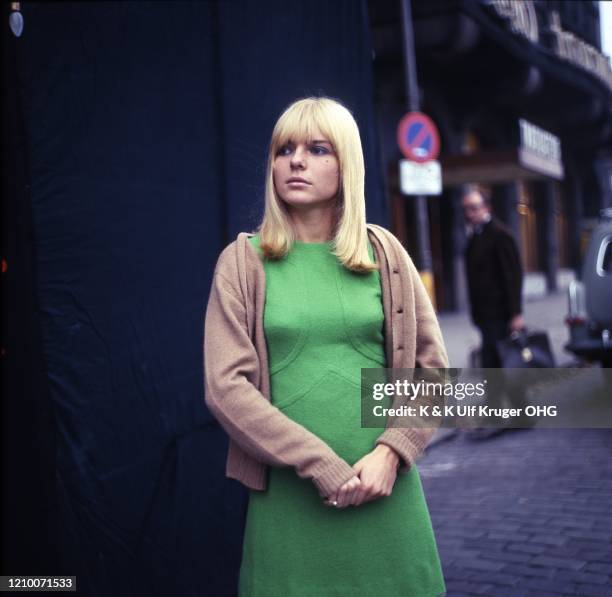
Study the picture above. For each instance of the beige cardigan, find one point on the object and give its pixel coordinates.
(236, 378)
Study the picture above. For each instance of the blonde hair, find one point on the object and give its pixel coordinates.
(298, 123)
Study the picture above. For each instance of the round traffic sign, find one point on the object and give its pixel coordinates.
(417, 137)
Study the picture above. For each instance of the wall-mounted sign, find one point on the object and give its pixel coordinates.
(540, 150)
(539, 141)
(420, 179)
(572, 48)
(417, 137)
(537, 156)
(521, 16)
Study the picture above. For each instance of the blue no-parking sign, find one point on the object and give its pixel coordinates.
(417, 137)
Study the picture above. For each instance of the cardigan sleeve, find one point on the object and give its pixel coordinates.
(231, 365)
(410, 442)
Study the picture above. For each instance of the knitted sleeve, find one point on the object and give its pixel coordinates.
(231, 368)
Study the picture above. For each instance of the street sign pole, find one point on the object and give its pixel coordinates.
(423, 258)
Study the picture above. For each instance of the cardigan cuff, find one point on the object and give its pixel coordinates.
(331, 475)
(408, 443)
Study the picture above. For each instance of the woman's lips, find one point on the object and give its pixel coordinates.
(297, 181)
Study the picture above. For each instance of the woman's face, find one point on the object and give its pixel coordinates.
(306, 173)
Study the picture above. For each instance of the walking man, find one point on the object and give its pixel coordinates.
(494, 276)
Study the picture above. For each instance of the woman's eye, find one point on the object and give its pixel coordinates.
(319, 150)
(284, 150)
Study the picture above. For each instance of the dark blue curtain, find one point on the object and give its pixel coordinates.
(145, 126)
(272, 53)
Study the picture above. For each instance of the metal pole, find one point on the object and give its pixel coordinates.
(423, 258)
(410, 75)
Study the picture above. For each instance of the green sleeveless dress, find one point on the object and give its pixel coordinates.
(322, 324)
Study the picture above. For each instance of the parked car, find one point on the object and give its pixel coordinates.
(590, 300)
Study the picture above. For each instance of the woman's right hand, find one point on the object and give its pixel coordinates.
(345, 496)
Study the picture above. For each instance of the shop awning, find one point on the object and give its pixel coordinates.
(498, 166)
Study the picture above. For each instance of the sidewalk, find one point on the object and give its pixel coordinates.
(526, 513)
(546, 313)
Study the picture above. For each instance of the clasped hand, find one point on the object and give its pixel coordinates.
(374, 478)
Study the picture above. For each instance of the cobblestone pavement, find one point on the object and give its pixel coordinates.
(527, 512)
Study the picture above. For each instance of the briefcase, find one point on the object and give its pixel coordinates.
(525, 349)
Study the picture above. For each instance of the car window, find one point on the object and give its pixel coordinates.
(604, 257)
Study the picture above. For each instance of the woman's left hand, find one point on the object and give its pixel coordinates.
(377, 471)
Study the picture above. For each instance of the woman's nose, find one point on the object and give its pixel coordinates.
(297, 159)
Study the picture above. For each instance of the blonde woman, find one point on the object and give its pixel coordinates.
(296, 310)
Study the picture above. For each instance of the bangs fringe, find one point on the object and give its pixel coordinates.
(299, 125)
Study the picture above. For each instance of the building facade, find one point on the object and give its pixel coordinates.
(522, 97)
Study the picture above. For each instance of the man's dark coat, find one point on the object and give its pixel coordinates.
(494, 274)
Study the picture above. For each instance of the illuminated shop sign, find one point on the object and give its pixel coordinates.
(540, 150)
(539, 141)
